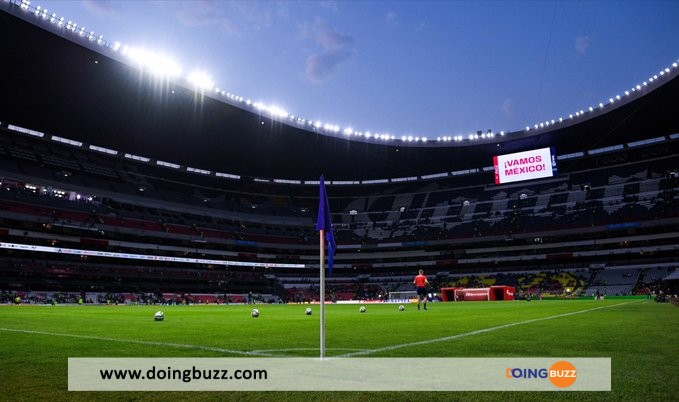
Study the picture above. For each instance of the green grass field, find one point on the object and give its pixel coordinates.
(641, 337)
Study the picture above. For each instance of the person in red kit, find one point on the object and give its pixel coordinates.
(421, 283)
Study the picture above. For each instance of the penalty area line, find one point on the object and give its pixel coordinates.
(479, 331)
(140, 342)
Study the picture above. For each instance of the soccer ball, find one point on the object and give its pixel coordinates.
(401, 307)
(254, 313)
(159, 316)
(362, 309)
(308, 311)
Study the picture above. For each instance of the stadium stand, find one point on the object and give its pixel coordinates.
(78, 221)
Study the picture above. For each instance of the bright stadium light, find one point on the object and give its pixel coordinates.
(200, 80)
(155, 63)
(278, 112)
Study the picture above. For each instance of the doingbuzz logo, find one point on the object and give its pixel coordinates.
(561, 374)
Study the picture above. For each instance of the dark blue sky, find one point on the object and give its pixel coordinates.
(425, 68)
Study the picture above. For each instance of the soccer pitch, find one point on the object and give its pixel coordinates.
(639, 336)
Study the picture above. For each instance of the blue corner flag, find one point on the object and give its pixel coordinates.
(325, 223)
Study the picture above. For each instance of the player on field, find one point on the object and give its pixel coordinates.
(421, 283)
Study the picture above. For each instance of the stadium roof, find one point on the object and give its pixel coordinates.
(64, 85)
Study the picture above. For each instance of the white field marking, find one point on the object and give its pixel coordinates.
(133, 341)
(480, 331)
(298, 349)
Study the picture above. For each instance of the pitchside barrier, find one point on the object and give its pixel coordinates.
(408, 296)
(478, 294)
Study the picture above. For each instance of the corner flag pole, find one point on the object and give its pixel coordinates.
(324, 225)
(322, 292)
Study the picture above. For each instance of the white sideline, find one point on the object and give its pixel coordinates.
(479, 331)
(151, 343)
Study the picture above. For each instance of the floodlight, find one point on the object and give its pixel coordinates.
(200, 80)
(155, 63)
(278, 112)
